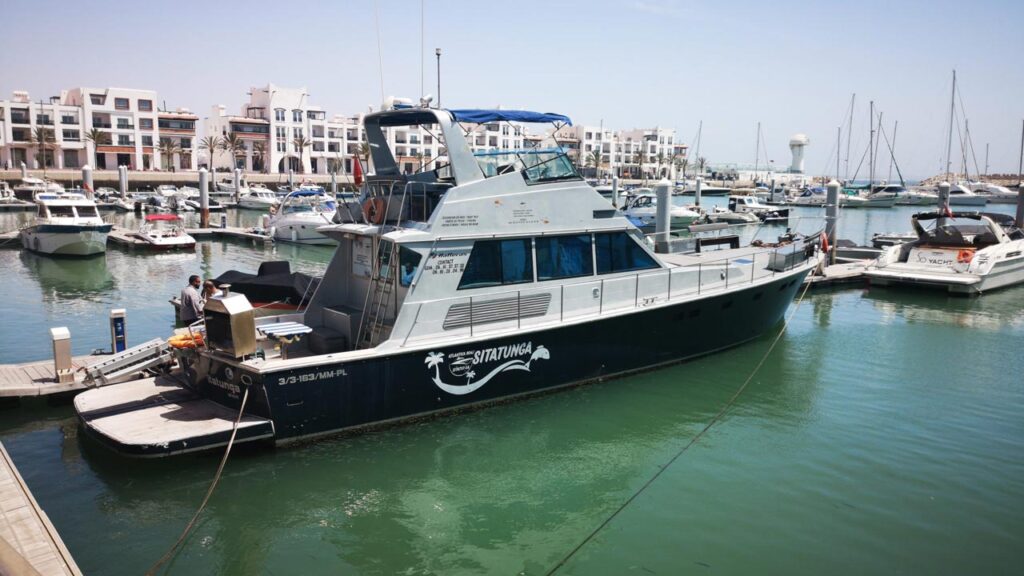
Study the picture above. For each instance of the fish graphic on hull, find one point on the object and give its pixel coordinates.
(464, 364)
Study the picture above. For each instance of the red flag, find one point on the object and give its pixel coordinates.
(824, 242)
(947, 211)
(357, 172)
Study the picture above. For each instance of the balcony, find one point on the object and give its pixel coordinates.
(44, 120)
(98, 124)
(20, 119)
(68, 120)
(121, 126)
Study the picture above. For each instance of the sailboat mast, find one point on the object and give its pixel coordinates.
(1020, 163)
(949, 142)
(839, 146)
(986, 159)
(700, 130)
(871, 147)
(757, 150)
(849, 132)
(892, 149)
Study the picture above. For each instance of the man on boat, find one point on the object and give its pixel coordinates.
(191, 301)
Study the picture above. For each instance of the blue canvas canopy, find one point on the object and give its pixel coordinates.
(484, 116)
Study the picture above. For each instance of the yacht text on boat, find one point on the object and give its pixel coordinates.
(492, 276)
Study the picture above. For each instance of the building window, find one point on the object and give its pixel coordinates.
(281, 146)
(124, 140)
(71, 159)
(147, 140)
(168, 124)
(186, 143)
(428, 140)
(66, 119)
(121, 103)
(70, 135)
(296, 115)
(97, 99)
(618, 252)
(279, 114)
(296, 133)
(497, 262)
(281, 132)
(564, 257)
(146, 123)
(145, 105)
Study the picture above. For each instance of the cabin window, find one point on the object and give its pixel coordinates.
(408, 263)
(564, 257)
(497, 262)
(618, 252)
(62, 212)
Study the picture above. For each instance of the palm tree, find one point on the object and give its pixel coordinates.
(43, 138)
(660, 159)
(702, 164)
(434, 360)
(98, 138)
(364, 151)
(638, 159)
(259, 150)
(210, 144)
(300, 143)
(234, 145)
(168, 148)
(419, 160)
(594, 159)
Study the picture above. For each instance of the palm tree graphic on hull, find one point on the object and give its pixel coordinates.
(435, 359)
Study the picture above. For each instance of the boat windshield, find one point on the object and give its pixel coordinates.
(537, 164)
(958, 232)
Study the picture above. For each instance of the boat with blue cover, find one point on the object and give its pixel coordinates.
(464, 284)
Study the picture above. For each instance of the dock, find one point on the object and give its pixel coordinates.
(838, 275)
(125, 237)
(29, 544)
(39, 379)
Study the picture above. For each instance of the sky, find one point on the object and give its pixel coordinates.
(790, 65)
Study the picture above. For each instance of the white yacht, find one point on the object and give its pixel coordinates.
(817, 197)
(167, 190)
(165, 232)
(960, 195)
(258, 198)
(912, 196)
(66, 224)
(300, 214)
(468, 289)
(29, 187)
(6, 193)
(753, 205)
(993, 193)
(226, 186)
(643, 208)
(961, 252)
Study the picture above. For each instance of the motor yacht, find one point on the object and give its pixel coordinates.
(300, 215)
(460, 289)
(993, 193)
(66, 224)
(226, 186)
(816, 197)
(961, 252)
(164, 232)
(258, 198)
(28, 188)
(960, 195)
(753, 205)
(912, 196)
(643, 208)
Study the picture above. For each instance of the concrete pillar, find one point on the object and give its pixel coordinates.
(334, 184)
(662, 224)
(204, 198)
(24, 171)
(943, 196)
(90, 191)
(1020, 205)
(238, 184)
(291, 178)
(832, 217)
(122, 181)
(696, 192)
(615, 191)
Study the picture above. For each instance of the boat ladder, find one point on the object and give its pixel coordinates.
(123, 365)
(381, 287)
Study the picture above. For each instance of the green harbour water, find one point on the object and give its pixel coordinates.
(883, 435)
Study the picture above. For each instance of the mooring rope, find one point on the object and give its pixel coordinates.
(170, 554)
(692, 441)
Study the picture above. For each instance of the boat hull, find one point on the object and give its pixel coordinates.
(333, 397)
(63, 240)
(1003, 274)
(957, 200)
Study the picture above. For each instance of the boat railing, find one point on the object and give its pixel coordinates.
(397, 193)
(497, 312)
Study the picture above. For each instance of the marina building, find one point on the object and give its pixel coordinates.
(636, 153)
(105, 127)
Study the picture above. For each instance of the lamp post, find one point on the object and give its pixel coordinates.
(437, 52)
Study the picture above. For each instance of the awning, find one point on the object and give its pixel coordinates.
(484, 116)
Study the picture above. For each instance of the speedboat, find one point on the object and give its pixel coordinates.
(477, 289)
(66, 224)
(258, 198)
(300, 214)
(913, 196)
(993, 193)
(960, 195)
(817, 197)
(753, 205)
(29, 187)
(643, 208)
(719, 214)
(961, 252)
(167, 190)
(883, 196)
(227, 186)
(165, 232)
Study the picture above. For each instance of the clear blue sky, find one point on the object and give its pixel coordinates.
(791, 65)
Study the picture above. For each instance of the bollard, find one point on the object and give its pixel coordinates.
(663, 192)
(122, 181)
(334, 184)
(615, 191)
(696, 191)
(204, 198)
(62, 367)
(1020, 205)
(118, 333)
(24, 171)
(238, 184)
(291, 180)
(831, 217)
(87, 181)
(944, 197)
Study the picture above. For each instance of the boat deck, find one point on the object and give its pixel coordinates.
(29, 544)
(39, 379)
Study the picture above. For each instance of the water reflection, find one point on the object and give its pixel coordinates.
(994, 311)
(69, 278)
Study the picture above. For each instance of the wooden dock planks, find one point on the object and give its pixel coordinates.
(38, 379)
(26, 535)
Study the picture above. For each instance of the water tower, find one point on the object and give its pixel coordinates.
(796, 145)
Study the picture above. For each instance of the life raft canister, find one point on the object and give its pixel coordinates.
(373, 210)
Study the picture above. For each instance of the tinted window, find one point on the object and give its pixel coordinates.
(619, 252)
(496, 262)
(408, 262)
(564, 257)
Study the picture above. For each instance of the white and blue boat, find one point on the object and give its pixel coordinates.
(66, 224)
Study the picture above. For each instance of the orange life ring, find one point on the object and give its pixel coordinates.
(373, 210)
(964, 256)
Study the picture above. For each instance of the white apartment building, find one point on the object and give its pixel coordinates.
(104, 127)
(636, 153)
